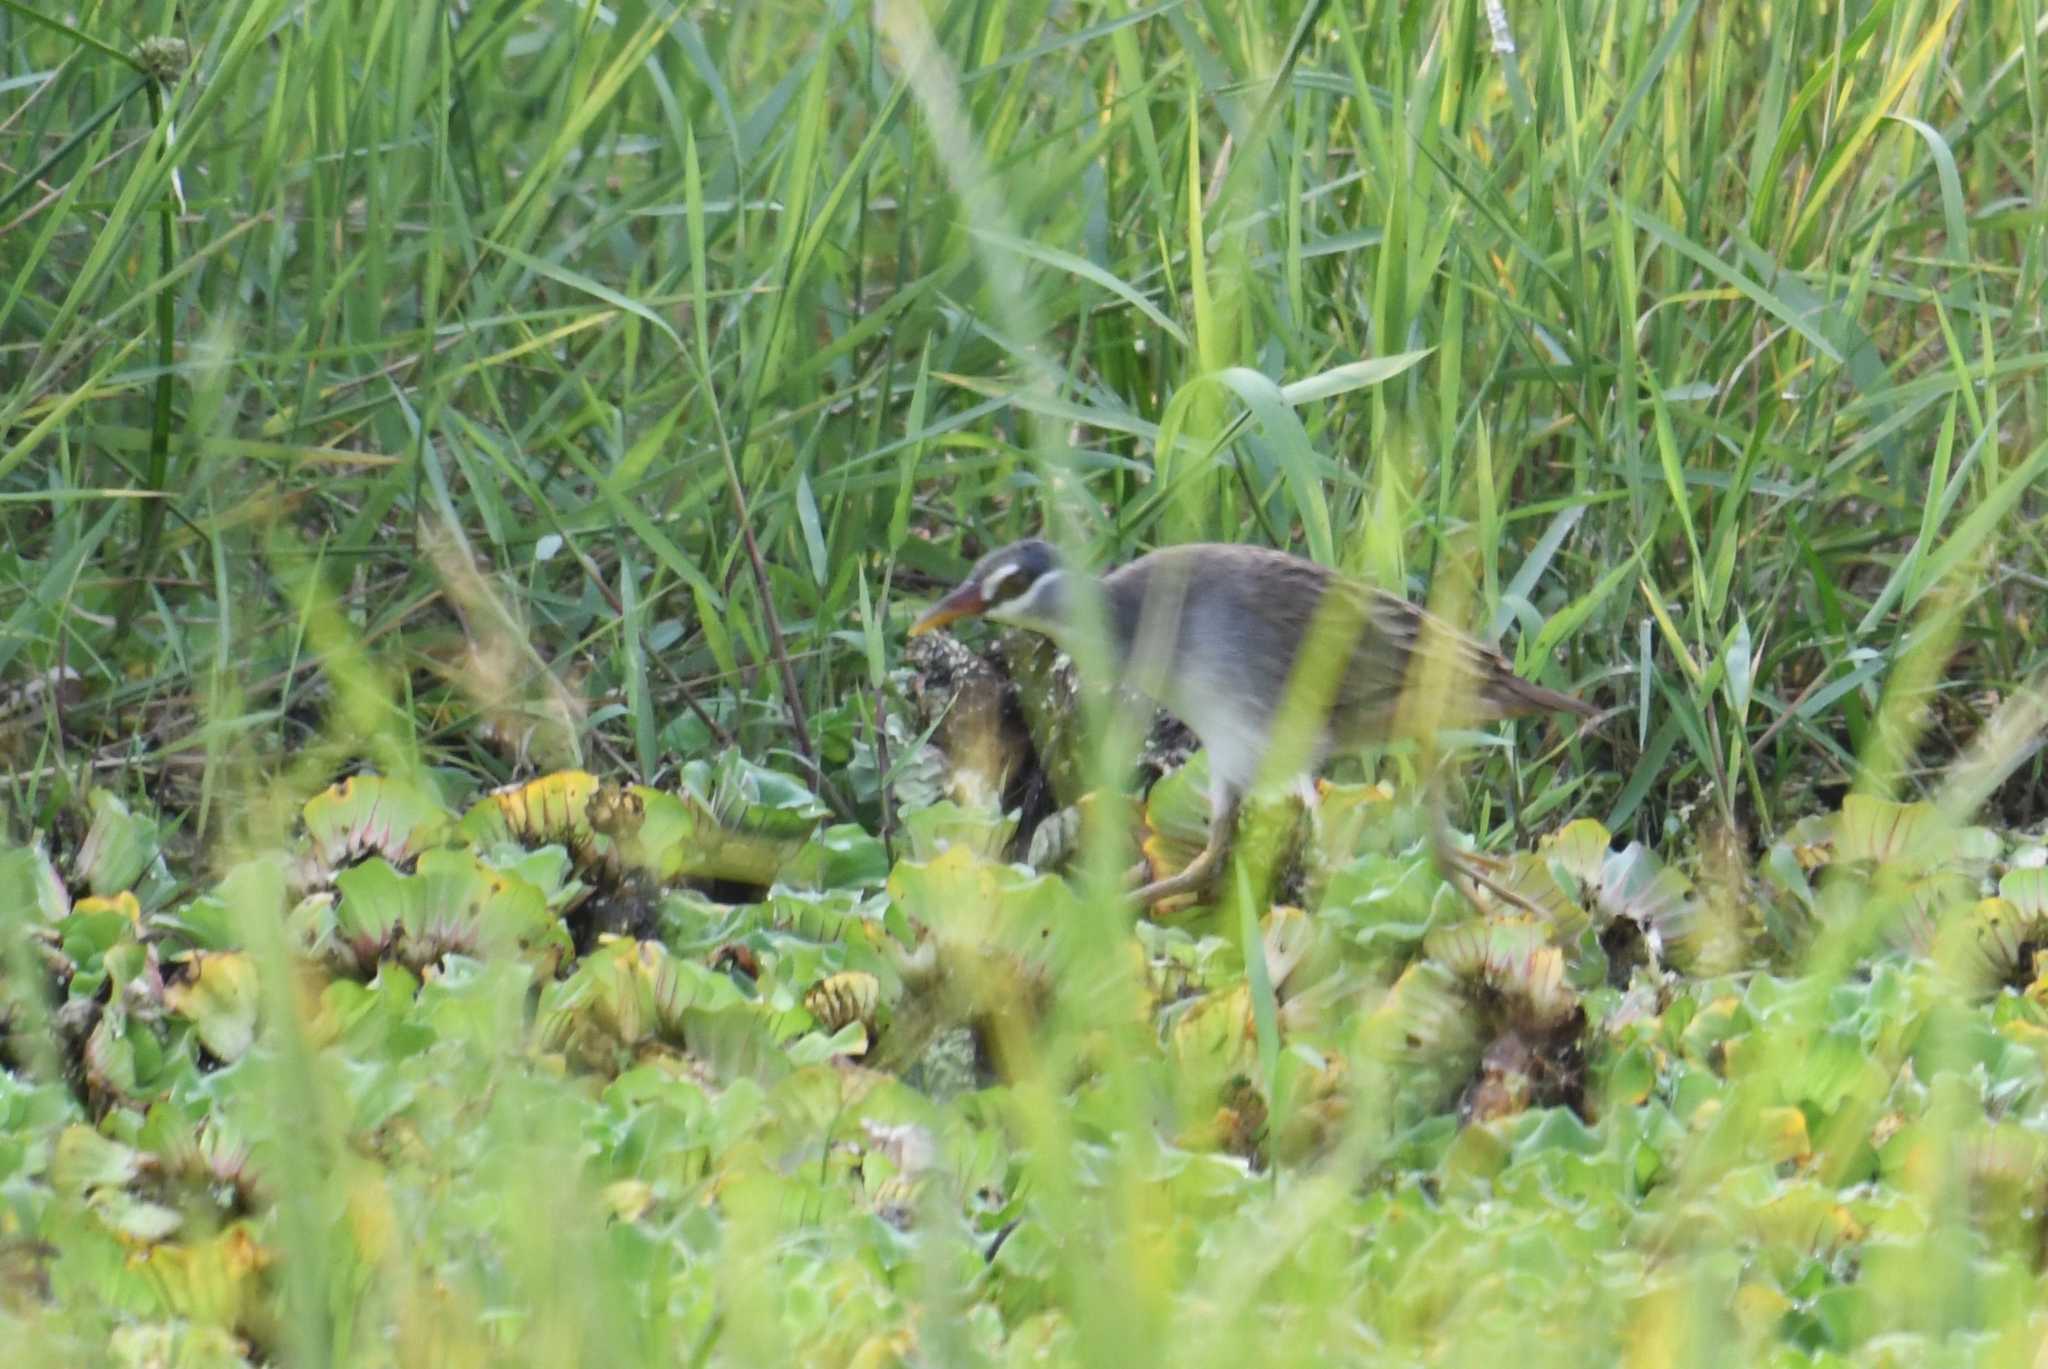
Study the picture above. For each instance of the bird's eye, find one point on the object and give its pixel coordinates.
(1004, 582)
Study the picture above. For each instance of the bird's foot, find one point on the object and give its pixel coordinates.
(1469, 876)
(1466, 870)
(1196, 878)
(1201, 872)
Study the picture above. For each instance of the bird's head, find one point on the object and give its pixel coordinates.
(1021, 584)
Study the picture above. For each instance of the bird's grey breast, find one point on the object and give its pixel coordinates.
(1206, 648)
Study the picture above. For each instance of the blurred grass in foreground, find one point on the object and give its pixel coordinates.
(470, 393)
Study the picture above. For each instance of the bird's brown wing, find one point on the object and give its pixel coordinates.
(1254, 612)
(1458, 680)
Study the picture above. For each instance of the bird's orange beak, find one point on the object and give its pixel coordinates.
(963, 602)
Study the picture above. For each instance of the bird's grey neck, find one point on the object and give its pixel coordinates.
(1055, 607)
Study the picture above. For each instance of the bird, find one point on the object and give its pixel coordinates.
(1213, 633)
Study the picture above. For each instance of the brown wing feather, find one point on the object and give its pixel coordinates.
(1259, 607)
(1478, 678)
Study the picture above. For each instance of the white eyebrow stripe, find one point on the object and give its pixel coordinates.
(995, 578)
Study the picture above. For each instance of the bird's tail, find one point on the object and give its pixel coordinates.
(1515, 696)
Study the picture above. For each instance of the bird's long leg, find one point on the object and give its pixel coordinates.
(1464, 874)
(1203, 869)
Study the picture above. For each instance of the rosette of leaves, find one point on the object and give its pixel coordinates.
(1997, 943)
(134, 1016)
(1213, 1047)
(555, 810)
(1642, 911)
(174, 1175)
(113, 1002)
(1510, 965)
(133, 1006)
(2003, 1165)
(983, 935)
(183, 1251)
(632, 1002)
(793, 943)
(1909, 854)
(1384, 889)
(846, 999)
(1996, 1166)
(1487, 1017)
(363, 816)
(454, 902)
(732, 821)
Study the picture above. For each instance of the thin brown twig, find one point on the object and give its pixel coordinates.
(54, 193)
(594, 575)
(792, 700)
(879, 723)
(1786, 715)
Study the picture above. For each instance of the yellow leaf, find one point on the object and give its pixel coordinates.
(1781, 1133)
(219, 1000)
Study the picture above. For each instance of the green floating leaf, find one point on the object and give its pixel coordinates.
(961, 893)
(549, 870)
(842, 856)
(2026, 889)
(135, 1218)
(120, 1054)
(945, 825)
(29, 883)
(370, 813)
(1177, 807)
(630, 1001)
(94, 931)
(206, 923)
(751, 798)
(1880, 830)
(220, 1001)
(815, 1048)
(85, 1159)
(454, 903)
(680, 838)
(118, 846)
(1555, 1129)
(371, 904)
(1630, 883)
